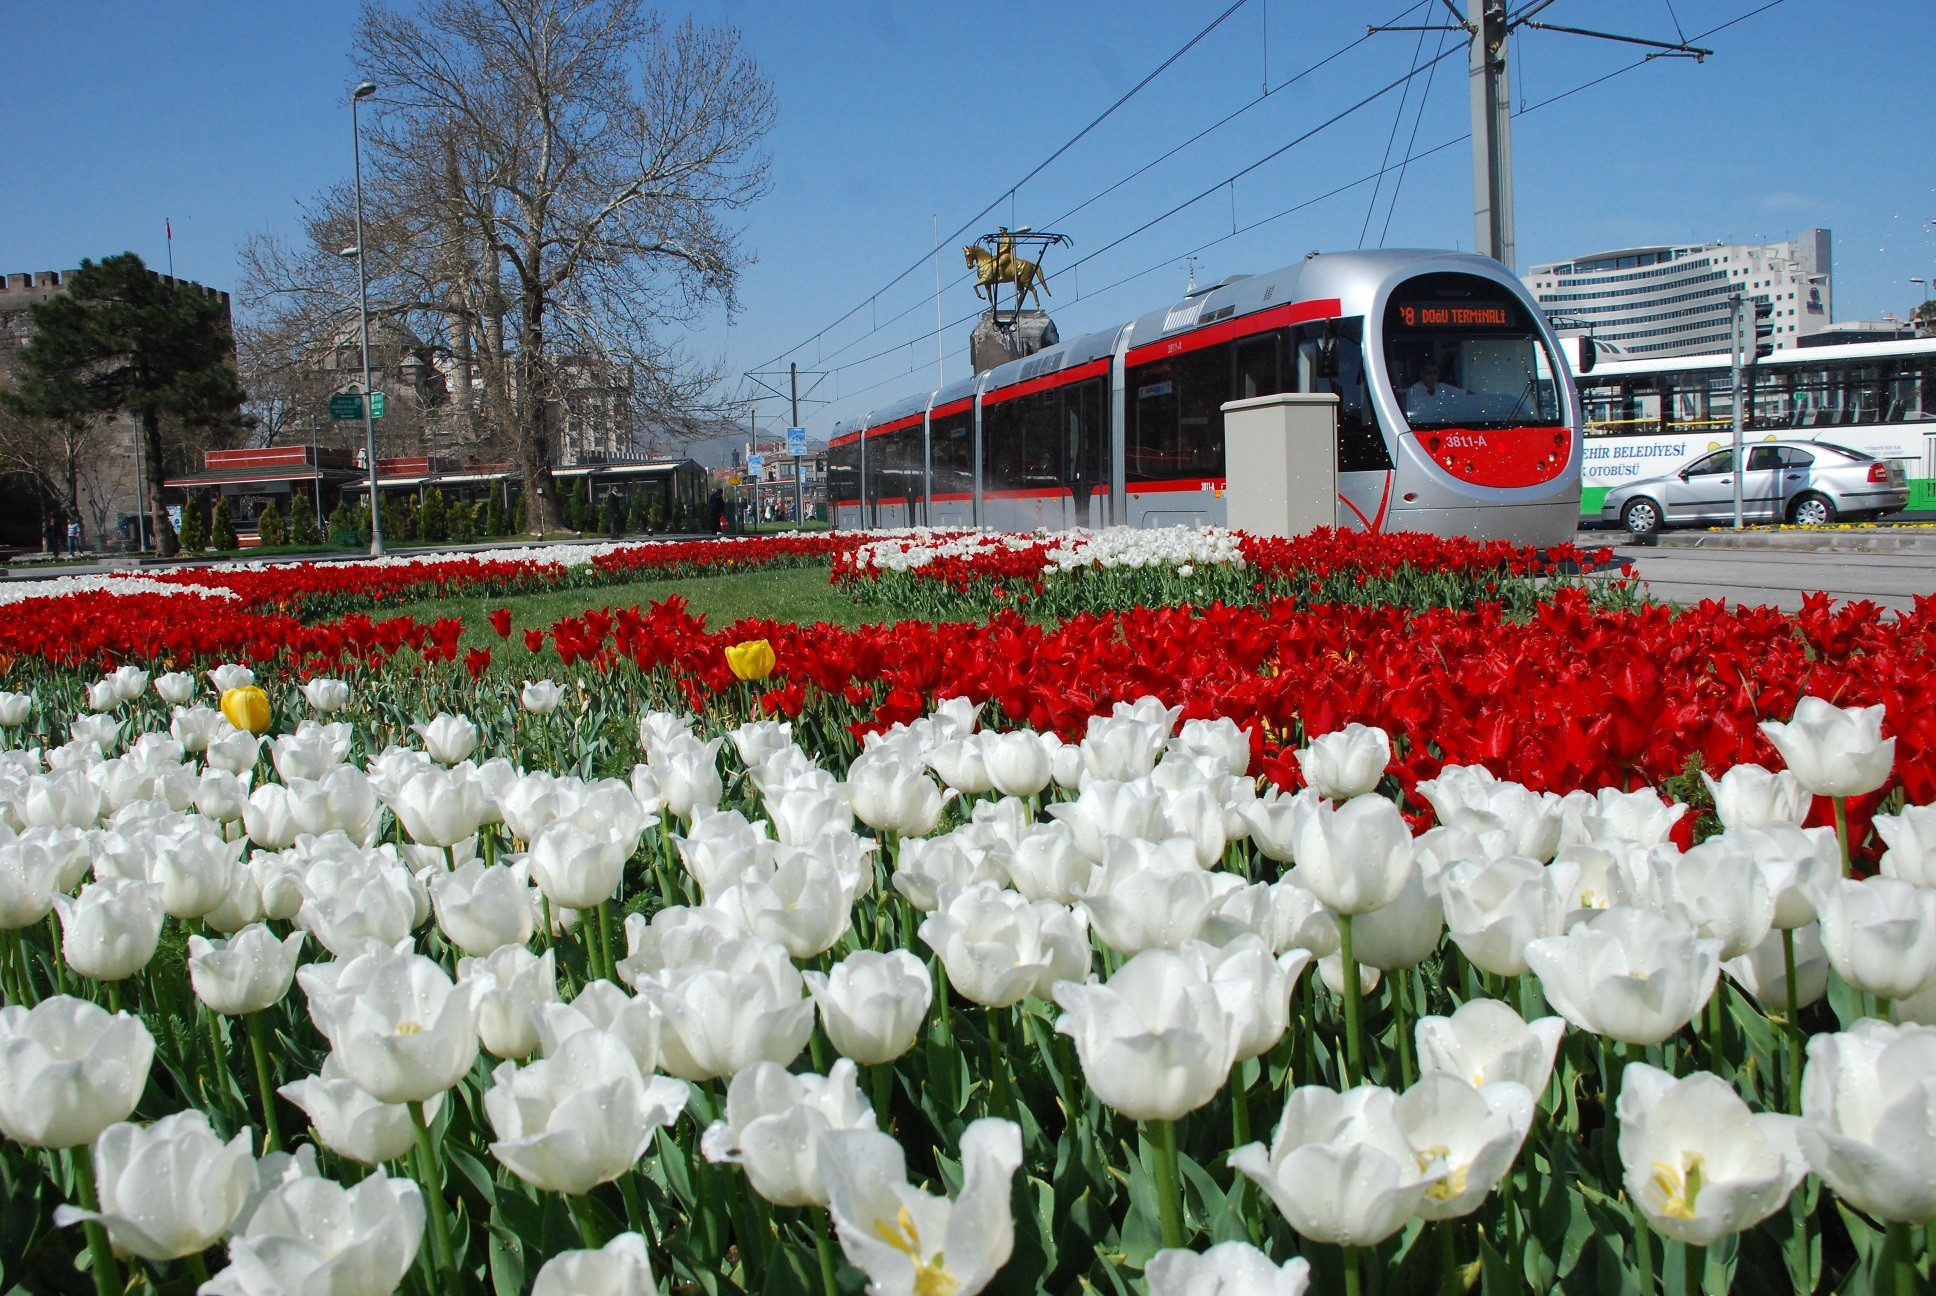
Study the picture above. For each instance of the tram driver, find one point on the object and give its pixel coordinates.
(1429, 392)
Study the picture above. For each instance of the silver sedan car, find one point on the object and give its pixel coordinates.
(1812, 483)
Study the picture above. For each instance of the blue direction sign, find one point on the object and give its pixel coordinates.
(796, 442)
(754, 463)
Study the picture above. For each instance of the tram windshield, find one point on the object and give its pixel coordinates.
(1463, 352)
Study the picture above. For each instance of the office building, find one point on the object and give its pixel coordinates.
(1666, 301)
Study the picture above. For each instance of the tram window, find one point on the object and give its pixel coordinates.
(1176, 419)
(1462, 351)
(1361, 443)
(902, 463)
(951, 443)
(1085, 445)
(1040, 419)
(843, 471)
(1001, 447)
(1257, 363)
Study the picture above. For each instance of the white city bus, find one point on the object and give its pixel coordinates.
(1647, 418)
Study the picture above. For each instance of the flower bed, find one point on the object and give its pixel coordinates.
(974, 1007)
(1062, 573)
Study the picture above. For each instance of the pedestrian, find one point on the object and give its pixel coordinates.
(73, 537)
(614, 513)
(50, 536)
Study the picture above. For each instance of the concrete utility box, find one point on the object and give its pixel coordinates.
(1281, 463)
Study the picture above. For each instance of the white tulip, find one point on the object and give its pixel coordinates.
(195, 727)
(1355, 857)
(620, 1268)
(399, 1027)
(600, 1005)
(926, 867)
(101, 696)
(312, 1235)
(326, 695)
(1346, 763)
(1019, 763)
(439, 807)
(245, 973)
(1763, 970)
(29, 874)
(1880, 934)
(1494, 908)
(110, 931)
(196, 869)
(873, 1005)
(541, 697)
(1226, 1269)
(1869, 1118)
(1749, 796)
(1473, 1133)
(1405, 932)
(804, 904)
(750, 1006)
(481, 908)
(1152, 895)
(15, 709)
(999, 948)
(1107, 809)
(911, 1243)
(447, 738)
(68, 1070)
(580, 1118)
(1725, 893)
(775, 1122)
(757, 739)
(175, 688)
(511, 988)
(1911, 837)
(886, 795)
(1340, 1167)
(270, 817)
(1222, 740)
(1044, 864)
(230, 676)
(1697, 1162)
(1253, 986)
(169, 1190)
(1834, 751)
(1795, 863)
(1630, 974)
(1485, 1042)
(674, 936)
(689, 779)
(1156, 1040)
(232, 749)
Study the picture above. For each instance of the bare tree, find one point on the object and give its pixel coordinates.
(579, 162)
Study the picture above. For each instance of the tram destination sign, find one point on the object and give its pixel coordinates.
(1458, 315)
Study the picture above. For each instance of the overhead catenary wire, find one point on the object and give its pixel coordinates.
(1010, 191)
(1054, 221)
(1410, 157)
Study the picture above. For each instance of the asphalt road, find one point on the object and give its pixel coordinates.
(1777, 577)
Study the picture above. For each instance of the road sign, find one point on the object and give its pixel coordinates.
(796, 442)
(376, 404)
(755, 463)
(346, 405)
(803, 474)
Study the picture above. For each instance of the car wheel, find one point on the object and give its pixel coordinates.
(1641, 517)
(1811, 510)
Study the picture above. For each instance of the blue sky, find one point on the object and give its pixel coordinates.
(223, 116)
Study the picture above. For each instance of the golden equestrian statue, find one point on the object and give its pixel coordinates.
(1004, 266)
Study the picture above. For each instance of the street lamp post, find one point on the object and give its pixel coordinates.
(362, 92)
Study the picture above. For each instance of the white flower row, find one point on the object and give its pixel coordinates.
(1179, 547)
(64, 586)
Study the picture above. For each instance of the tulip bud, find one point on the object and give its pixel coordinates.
(751, 660)
(247, 708)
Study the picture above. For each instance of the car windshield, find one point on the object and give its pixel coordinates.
(1463, 352)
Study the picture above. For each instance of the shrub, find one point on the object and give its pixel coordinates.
(492, 520)
(269, 529)
(194, 532)
(302, 521)
(433, 519)
(463, 523)
(221, 532)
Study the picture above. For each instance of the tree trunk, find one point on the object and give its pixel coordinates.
(165, 542)
(532, 436)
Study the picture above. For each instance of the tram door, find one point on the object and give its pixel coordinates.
(1086, 450)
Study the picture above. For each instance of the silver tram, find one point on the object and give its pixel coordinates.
(1456, 413)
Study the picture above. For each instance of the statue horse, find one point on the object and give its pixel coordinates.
(1003, 266)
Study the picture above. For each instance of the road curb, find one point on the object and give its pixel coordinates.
(1880, 540)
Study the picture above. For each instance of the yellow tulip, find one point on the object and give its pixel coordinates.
(752, 660)
(247, 708)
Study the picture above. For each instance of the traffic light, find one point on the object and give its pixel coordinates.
(1764, 332)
